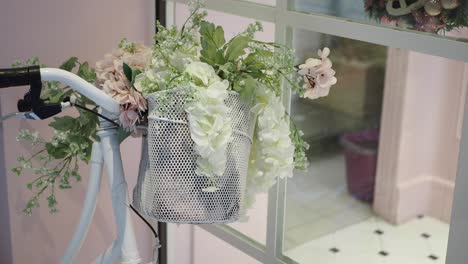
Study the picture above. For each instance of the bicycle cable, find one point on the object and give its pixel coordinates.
(96, 113)
(8, 116)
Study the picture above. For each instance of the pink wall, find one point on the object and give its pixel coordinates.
(430, 121)
(429, 141)
(423, 109)
(53, 30)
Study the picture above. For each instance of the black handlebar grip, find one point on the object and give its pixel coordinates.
(19, 76)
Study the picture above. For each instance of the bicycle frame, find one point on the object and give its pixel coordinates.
(106, 153)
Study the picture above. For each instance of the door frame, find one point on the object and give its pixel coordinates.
(285, 19)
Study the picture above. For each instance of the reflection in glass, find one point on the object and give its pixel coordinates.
(331, 212)
(349, 116)
(443, 17)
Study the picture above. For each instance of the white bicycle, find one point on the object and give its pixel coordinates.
(105, 152)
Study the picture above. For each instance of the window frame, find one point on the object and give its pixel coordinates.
(284, 18)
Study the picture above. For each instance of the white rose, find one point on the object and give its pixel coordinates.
(202, 73)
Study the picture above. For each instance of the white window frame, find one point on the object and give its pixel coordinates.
(284, 19)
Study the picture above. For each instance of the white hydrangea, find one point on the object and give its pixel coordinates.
(202, 73)
(209, 121)
(272, 151)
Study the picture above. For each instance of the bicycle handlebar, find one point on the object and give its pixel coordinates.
(33, 76)
(81, 86)
(19, 76)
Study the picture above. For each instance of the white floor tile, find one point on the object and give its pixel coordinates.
(321, 215)
(360, 243)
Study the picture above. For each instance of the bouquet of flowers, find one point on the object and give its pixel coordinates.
(198, 62)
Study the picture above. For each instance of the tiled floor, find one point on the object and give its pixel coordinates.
(374, 241)
(318, 203)
(325, 225)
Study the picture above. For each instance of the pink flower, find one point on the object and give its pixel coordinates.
(128, 118)
(112, 80)
(318, 75)
(326, 77)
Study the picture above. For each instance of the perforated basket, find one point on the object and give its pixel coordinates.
(168, 189)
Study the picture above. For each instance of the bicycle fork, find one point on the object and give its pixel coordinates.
(107, 152)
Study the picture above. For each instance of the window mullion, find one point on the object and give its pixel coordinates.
(276, 195)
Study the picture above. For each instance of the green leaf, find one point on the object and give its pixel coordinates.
(130, 73)
(252, 60)
(211, 34)
(69, 64)
(122, 134)
(62, 123)
(16, 170)
(29, 186)
(218, 36)
(65, 94)
(236, 47)
(56, 152)
(212, 41)
(54, 96)
(86, 72)
(247, 89)
(127, 71)
(135, 73)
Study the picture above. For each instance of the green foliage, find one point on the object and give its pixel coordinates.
(55, 162)
(300, 147)
(211, 35)
(69, 64)
(246, 62)
(173, 48)
(130, 73)
(128, 46)
(236, 48)
(86, 72)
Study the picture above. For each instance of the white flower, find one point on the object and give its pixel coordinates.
(272, 152)
(149, 80)
(309, 63)
(318, 75)
(209, 121)
(202, 73)
(180, 60)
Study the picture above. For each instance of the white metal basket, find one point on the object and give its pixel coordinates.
(168, 189)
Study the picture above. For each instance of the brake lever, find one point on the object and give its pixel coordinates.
(44, 112)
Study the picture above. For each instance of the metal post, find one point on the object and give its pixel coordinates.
(160, 15)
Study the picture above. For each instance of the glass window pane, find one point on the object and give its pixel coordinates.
(375, 193)
(444, 17)
(255, 227)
